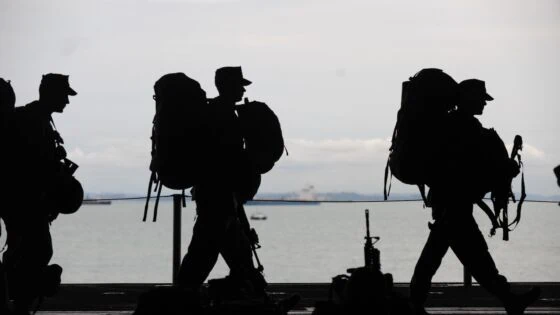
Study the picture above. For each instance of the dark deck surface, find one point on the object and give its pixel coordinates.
(445, 298)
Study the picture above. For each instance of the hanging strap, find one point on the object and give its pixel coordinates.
(422, 188)
(495, 225)
(158, 186)
(517, 219)
(152, 180)
(387, 192)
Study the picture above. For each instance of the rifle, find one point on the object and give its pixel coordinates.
(371, 254)
(501, 206)
(251, 235)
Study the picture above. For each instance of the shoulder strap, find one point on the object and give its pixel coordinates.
(387, 191)
(495, 225)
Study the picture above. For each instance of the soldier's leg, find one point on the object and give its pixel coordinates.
(430, 259)
(29, 252)
(469, 245)
(203, 251)
(237, 253)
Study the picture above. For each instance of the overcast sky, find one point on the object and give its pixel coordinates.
(331, 70)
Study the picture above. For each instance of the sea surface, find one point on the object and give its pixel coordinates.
(300, 243)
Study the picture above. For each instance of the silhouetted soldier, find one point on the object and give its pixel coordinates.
(38, 171)
(557, 173)
(452, 197)
(219, 228)
(7, 103)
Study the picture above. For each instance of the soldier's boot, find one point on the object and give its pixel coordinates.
(419, 310)
(517, 303)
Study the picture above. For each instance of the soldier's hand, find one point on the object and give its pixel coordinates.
(60, 153)
(253, 237)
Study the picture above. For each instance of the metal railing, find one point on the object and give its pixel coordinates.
(177, 215)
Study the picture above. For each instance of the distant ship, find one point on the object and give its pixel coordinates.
(96, 202)
(258, 216)
(305, 197)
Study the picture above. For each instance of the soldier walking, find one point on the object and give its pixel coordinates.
(452, 197)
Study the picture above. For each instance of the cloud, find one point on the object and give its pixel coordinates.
(117, 153)
(530, 152)
(335, 151)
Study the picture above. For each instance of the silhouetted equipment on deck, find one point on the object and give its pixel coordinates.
(366, 290)
(371, 254)
(179, 144)
(416, 142)
(261, 130)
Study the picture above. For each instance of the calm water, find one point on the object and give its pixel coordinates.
(300, 243)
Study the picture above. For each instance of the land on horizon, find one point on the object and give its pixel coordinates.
(315, 196)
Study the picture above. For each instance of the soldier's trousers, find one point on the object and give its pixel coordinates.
(28, 254)
(467, 242)
(214, 235)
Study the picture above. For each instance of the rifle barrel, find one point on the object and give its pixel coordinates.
(367, 224)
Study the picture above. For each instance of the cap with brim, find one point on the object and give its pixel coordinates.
(230, 75)
(71, 92)
(474, 88)
(245, 82)
(58, 82)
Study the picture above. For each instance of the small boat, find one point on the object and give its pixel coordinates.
(258, 216)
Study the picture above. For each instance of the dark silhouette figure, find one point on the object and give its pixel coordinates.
(557, 173)
(41, 181)
(7, 104)
(452, 195)
(221, 226)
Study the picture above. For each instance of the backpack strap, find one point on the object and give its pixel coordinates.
(153, 176)
(153, 179)
(484, 206)
(158, 187)
(387, 191)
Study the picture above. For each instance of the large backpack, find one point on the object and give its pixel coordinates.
(179, 134)
(418, 136)
(261, 130)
